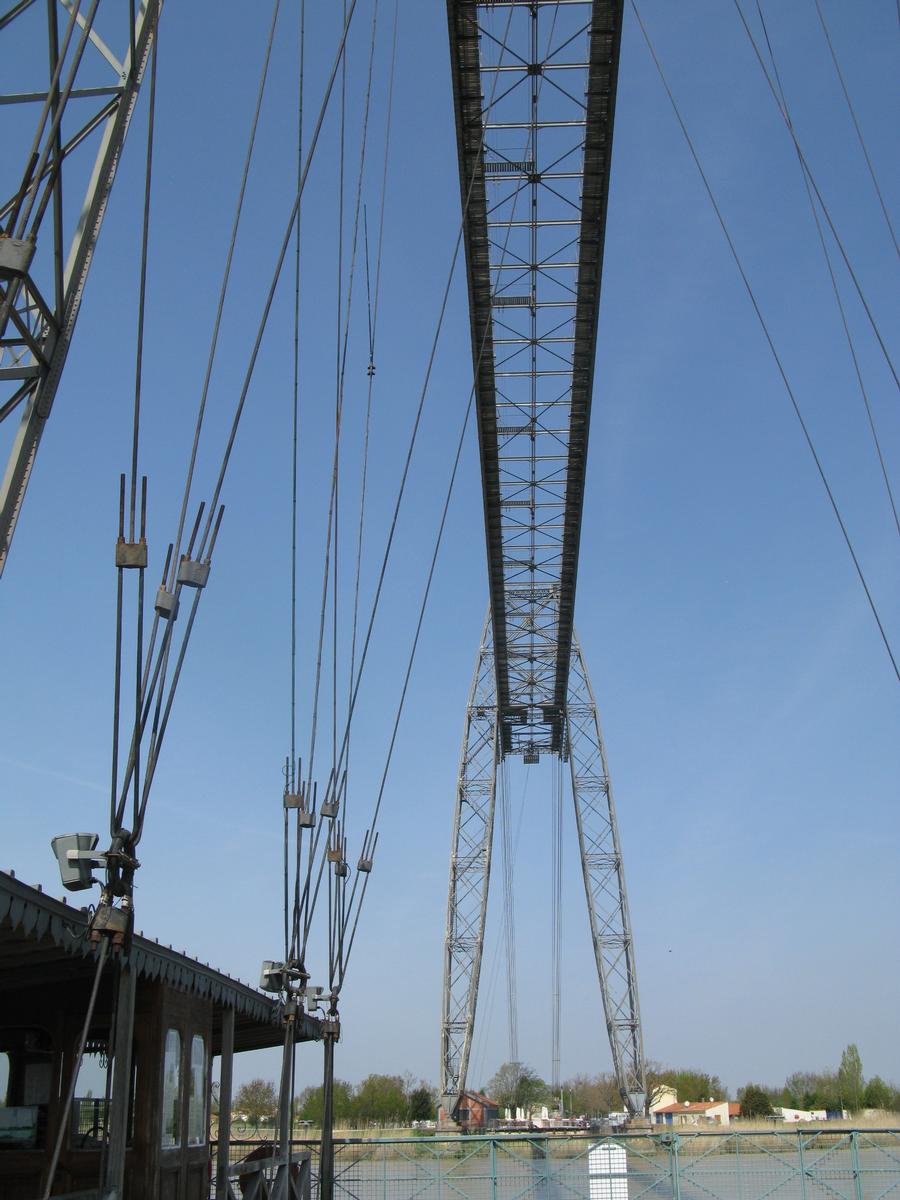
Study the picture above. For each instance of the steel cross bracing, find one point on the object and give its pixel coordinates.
(470, 869)
(601, 859)
(534, 91)
(72, 70)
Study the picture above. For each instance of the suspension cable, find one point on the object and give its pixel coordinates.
(331, 545)
(825, 210)
(556, 849)
(477, 1059)
(509, 917)
(223, 289)
(856, 126)
(765, 329)
(372, 313)
(276, 275)
(338, 406)
(371, 834)
(834, 285)
(76, 1064)
(290, 782)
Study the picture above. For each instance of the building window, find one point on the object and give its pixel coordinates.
(26, 1079)
(197, 1096)
(89, 1114)
(171, 1098)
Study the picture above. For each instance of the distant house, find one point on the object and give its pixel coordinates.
(661, 1097)
(703, 1112)
(734, 1109)
(476, 1111)
(801, 1114)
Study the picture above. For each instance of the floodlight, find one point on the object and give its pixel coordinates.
(76, 861)
(272, 976)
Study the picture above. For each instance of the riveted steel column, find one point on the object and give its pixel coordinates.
(604, 884)
(470, 868)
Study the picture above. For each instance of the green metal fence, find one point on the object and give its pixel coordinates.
(790, 1164)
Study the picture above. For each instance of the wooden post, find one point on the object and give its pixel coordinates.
(120, 1102)
(326, 1151)
(224, 1137)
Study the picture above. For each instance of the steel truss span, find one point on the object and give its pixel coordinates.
(66, 121)
(601, 861)
(534, 92)
(534, 87)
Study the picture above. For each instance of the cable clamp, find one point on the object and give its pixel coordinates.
(114, 923)
(131, 555)
(193, 573)
(15, 256)
(166, 604)
(306, 814)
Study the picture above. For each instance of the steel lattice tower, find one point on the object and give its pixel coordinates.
(74, 117)
(534, 91)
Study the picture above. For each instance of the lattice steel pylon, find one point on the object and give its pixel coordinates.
(534, 86)
(80, 91)
(602, 871)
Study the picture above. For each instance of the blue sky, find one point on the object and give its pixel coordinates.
(749, 708)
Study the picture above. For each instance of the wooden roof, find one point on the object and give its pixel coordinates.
(44, 941)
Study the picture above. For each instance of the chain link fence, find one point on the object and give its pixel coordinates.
(795, 1164)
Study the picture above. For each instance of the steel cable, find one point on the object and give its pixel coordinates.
(834, 286)
(331, 526)
(342, 348)
(856, 126)
(290, 782)
(765, 329)
(76, 1064)
(413, 437)
(371, 833)
(825, 211)
(223, 289)
(556, 849)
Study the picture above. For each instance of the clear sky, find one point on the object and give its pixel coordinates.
(750, 710)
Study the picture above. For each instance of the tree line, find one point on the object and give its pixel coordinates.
(400, 1100)
(516, 1085)
(832, 1090)
(379, 1099)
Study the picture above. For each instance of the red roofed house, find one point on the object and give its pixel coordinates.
(474, 1112)
(703, 1112)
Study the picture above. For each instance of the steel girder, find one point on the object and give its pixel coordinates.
(470, 869)
(81, 99)
(602, 869)
(534, 88)
(604, 883)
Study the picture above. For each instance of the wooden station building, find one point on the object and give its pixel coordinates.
(185, 1015)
